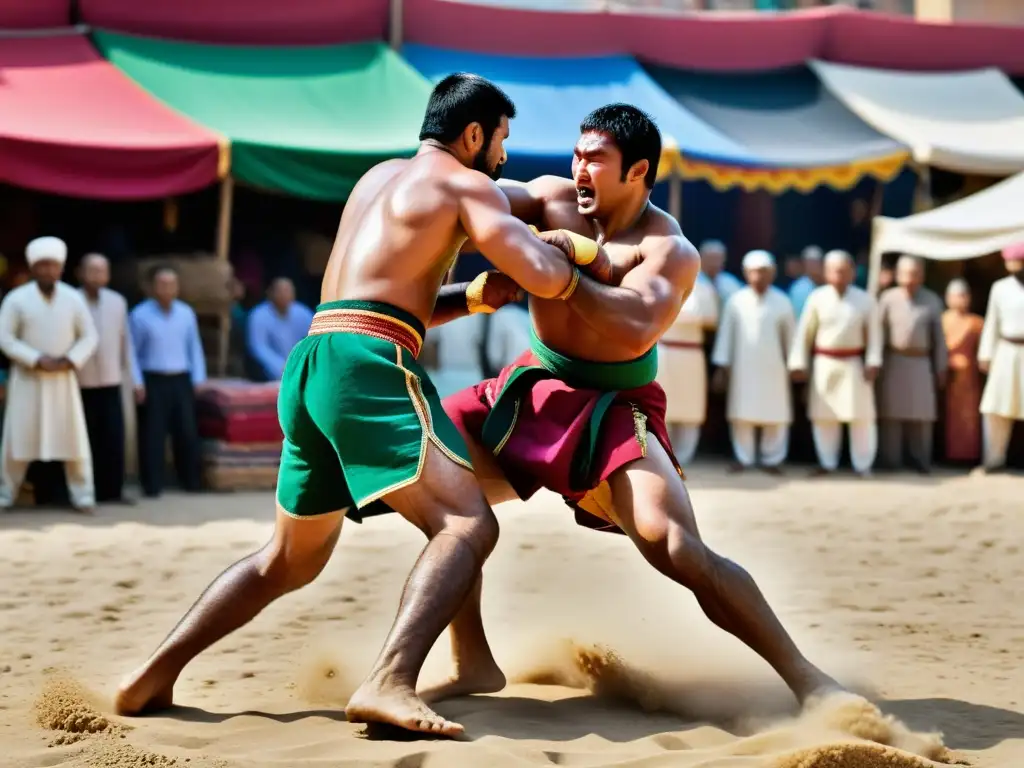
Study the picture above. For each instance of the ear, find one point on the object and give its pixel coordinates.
(639, 170)
(473, 137)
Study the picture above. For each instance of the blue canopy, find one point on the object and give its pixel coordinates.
(552, 96)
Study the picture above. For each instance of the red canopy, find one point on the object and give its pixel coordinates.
(733, 42)
(72, 124)
(34, 14)
(256, 22)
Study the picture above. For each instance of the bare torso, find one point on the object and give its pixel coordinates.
(398, 235)
(554, 321)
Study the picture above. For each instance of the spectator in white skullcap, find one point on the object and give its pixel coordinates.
(48, 334)
(750, 352)
(46, 249)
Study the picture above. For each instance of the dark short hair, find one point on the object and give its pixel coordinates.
(633, 132)
(461, 99)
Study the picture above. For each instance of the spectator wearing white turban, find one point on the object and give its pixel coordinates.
(750, 353)
(48, 334)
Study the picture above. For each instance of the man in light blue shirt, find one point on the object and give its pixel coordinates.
(275, 326)
(811, 278)
(170, 353)
(712, 269)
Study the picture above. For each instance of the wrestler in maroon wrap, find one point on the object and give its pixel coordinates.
(578, 415)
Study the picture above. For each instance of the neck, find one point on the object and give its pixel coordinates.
(427, 146)
(165, 306)
(92, 291)
(623, 218)
(46, 290)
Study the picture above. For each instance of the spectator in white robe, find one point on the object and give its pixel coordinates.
(683, 372)
(48, 334)
(1001, 356)
(839, 341)
(750, 353)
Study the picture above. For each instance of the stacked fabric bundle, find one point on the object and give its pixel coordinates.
(241, 435)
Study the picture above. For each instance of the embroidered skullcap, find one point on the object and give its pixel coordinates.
(758, 260)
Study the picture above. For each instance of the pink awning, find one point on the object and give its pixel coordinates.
(732, 42)
(34, 14)
(72, 124)
(256, 22)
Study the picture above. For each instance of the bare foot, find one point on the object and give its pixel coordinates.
(139, 695)
(815, 686)
(466, 682)
(397, 705)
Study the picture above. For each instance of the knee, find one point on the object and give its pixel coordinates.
(684, 558)
(284, 567)
(479, 530)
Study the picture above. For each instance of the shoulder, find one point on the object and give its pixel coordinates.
(71, 295)
(114, 298)
(17, 294)
(934, 300)
(184, 309)
(552, 189)
(664, 243)
(140, 309)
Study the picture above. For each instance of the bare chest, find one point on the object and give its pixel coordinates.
(623, 249)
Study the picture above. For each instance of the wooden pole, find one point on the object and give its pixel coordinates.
(227, 194)
(675, 197)
(396, 25)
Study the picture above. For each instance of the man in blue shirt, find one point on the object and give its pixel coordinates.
(712, 268)
(812, 277)
(170, 355)
(274, 327)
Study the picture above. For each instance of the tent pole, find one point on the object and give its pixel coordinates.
(396, 24)
(227, 193)
(675, 197)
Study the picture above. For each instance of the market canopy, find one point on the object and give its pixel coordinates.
(34, 14)
(800, 135)
(553, 95)
(983, 223)
(715, 42)
(967, 122)
(307, 122)
(254, 22)
(71, 124)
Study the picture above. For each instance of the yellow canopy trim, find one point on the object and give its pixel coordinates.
(777, 180)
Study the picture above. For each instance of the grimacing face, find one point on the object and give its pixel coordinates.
(598, 173)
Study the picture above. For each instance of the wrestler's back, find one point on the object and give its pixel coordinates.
(398, 235)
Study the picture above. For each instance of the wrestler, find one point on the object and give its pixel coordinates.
(362, 421)
(581, 414)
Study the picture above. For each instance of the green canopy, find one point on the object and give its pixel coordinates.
(305, 121)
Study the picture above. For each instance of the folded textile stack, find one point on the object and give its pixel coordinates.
(241, 435)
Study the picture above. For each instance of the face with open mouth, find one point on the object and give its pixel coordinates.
(596, 170)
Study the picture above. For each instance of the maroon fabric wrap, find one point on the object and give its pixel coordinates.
(551, 424)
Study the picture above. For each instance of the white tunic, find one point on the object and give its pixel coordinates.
(114, 356)
(459, 349)
(753, 342)
(834, 323)
(682, 368)
(1004, 324)
(45, 420)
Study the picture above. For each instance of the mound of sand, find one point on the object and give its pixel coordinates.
(66, 707)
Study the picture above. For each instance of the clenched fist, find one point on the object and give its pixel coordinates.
(491, 291)
(599, 267)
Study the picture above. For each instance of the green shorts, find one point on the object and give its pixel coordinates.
(358, 411)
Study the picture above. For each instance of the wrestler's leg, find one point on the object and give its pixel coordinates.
(294, 556)
(447, 503)
(476, 671)
(652, 506)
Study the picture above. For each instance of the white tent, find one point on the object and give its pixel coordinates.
(983, 223)
(966, 122)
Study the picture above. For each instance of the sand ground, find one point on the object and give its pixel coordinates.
(907, 588)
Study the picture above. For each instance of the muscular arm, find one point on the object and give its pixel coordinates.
(638, 311)
(527, 200)
(451, 304)
(540, 269)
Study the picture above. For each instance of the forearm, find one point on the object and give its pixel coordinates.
(451, 304)
(619, 314)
